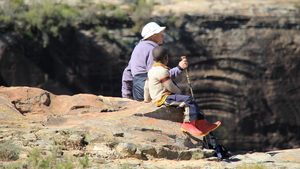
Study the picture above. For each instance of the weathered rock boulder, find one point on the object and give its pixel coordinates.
(113, 126)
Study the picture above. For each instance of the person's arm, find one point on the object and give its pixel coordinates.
(126, 89)
(127, 83)
(147, 97)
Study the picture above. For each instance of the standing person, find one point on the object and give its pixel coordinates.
(134, 75)
(160, 89)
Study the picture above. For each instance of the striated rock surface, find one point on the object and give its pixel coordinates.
(112, 132)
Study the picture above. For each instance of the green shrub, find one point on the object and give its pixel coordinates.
(49, 17)
(12, 8)
(85, 162)
(38, 22)
(141, 12)
(101, 31)
(9, 151)
(16, 165)
(34, 156)
(103, 15)
(46, 19)
(37, 160)
(66, 165)
(251, 166)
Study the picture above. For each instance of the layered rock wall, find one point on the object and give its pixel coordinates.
(244, 68)
(245, 75)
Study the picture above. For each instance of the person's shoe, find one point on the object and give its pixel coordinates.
(205, 127)
(191, 128)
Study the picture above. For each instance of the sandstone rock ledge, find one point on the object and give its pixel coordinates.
(116, 130)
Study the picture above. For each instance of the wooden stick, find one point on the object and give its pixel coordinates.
(188, 79)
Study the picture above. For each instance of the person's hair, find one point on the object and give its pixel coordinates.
(159, 53)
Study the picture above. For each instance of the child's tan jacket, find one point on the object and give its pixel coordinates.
(159, 84)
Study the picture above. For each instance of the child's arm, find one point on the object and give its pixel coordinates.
(168, 83)
(147, 97)
(183, 64)
(174, 72)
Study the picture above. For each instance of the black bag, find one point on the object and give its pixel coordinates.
(211, 143)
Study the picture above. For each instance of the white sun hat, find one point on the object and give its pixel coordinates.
(150, 29)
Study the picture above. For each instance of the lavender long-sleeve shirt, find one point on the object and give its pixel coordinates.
(140, 62)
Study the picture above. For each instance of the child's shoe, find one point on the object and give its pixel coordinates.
(205, 127)
(191, 128)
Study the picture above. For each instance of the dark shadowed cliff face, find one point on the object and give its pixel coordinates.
(75, 62)
(244, 71)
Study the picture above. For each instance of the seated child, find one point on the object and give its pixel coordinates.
(160, 89)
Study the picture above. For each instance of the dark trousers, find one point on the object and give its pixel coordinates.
(191, 110)
(138, 87)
